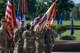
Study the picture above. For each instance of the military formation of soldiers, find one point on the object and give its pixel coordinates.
(26, 38)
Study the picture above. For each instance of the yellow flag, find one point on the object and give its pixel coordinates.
(44, 19)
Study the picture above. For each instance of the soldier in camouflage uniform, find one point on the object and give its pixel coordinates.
(3, 37)
(29, 36)
(36, 20)
(48, 40)
(40, 40)
(18, 36)
(39, 36)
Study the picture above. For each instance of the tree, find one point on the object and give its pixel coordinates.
(39, 7)
(2, 8)
(64, 5)
(75, 13)
(43, 6)
(31, 9)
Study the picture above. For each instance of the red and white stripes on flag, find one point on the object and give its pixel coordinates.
(10, 16)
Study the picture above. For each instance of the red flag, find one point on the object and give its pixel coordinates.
(53, 15)
(10, 16)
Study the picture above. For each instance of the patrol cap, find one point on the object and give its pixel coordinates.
(3, 20)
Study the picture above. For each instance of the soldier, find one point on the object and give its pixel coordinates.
(3, 36)
(40, 40)
(29, 40)
(39, 36)
(36, 20)
(18, 36)
(48, 40)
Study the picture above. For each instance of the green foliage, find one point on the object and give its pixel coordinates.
(2, 9)
(60, 28)
(55, 34)
(16, 2)
(67, 37)
(43, 6)
(64, 6)
(67, 32)
(31, 8)
(39, 7)
(75, 13)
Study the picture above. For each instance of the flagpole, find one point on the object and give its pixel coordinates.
(60, 23)
(72, 28)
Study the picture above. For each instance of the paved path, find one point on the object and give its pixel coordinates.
(74, 45)
(65, 52)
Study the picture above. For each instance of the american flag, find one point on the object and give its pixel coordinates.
(10, 16)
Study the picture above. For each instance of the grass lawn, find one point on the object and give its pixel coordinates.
(68, 22)
(28, 21)
(76, 32)
(64, 22)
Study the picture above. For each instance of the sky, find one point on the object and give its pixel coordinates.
(76, 1)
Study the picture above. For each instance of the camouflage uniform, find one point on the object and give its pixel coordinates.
(3, 40)
(49, 41)
(40, 40)
(18, 39)
(6, 39)
(30, 41)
